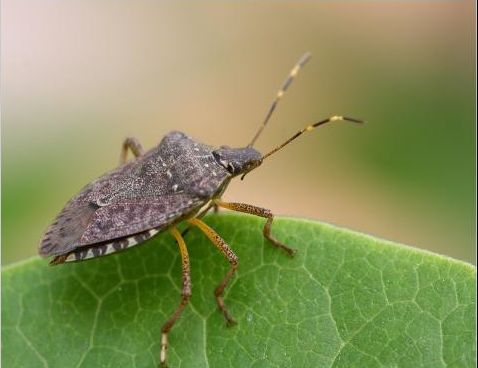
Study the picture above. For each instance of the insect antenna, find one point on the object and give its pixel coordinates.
(293, 73)
(312, 127)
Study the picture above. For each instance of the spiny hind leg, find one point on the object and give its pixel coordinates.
(135, 147)
(262, 212)
(185, 295)
(231, 257)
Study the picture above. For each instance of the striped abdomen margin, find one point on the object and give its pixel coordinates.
(102, 249)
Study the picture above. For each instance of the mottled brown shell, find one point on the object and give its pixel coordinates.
(167, 184)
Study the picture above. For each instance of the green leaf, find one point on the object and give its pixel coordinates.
(345, 300)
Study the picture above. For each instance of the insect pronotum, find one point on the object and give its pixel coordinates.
(178, 180)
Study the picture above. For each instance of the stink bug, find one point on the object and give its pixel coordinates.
(178, 180)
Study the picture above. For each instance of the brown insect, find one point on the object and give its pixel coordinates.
(162, 187)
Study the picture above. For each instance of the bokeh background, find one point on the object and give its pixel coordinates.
(79, 76)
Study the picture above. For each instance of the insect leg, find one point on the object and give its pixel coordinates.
(262, 212)
(232, 258)
(185, 294)
(201, 214)
(135, 147)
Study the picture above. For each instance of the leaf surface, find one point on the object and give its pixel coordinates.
(345, 300)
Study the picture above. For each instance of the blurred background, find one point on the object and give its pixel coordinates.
(80, 76)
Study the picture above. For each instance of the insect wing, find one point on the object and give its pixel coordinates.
(67, 228)
(114, 221)
(127, 218)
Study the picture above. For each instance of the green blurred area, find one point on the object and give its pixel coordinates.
(79, 77)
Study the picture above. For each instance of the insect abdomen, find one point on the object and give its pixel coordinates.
(103, 249)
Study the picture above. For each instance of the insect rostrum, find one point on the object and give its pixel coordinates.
(178, 180)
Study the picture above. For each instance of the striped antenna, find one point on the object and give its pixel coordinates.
(295, 70)
(310, 128)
